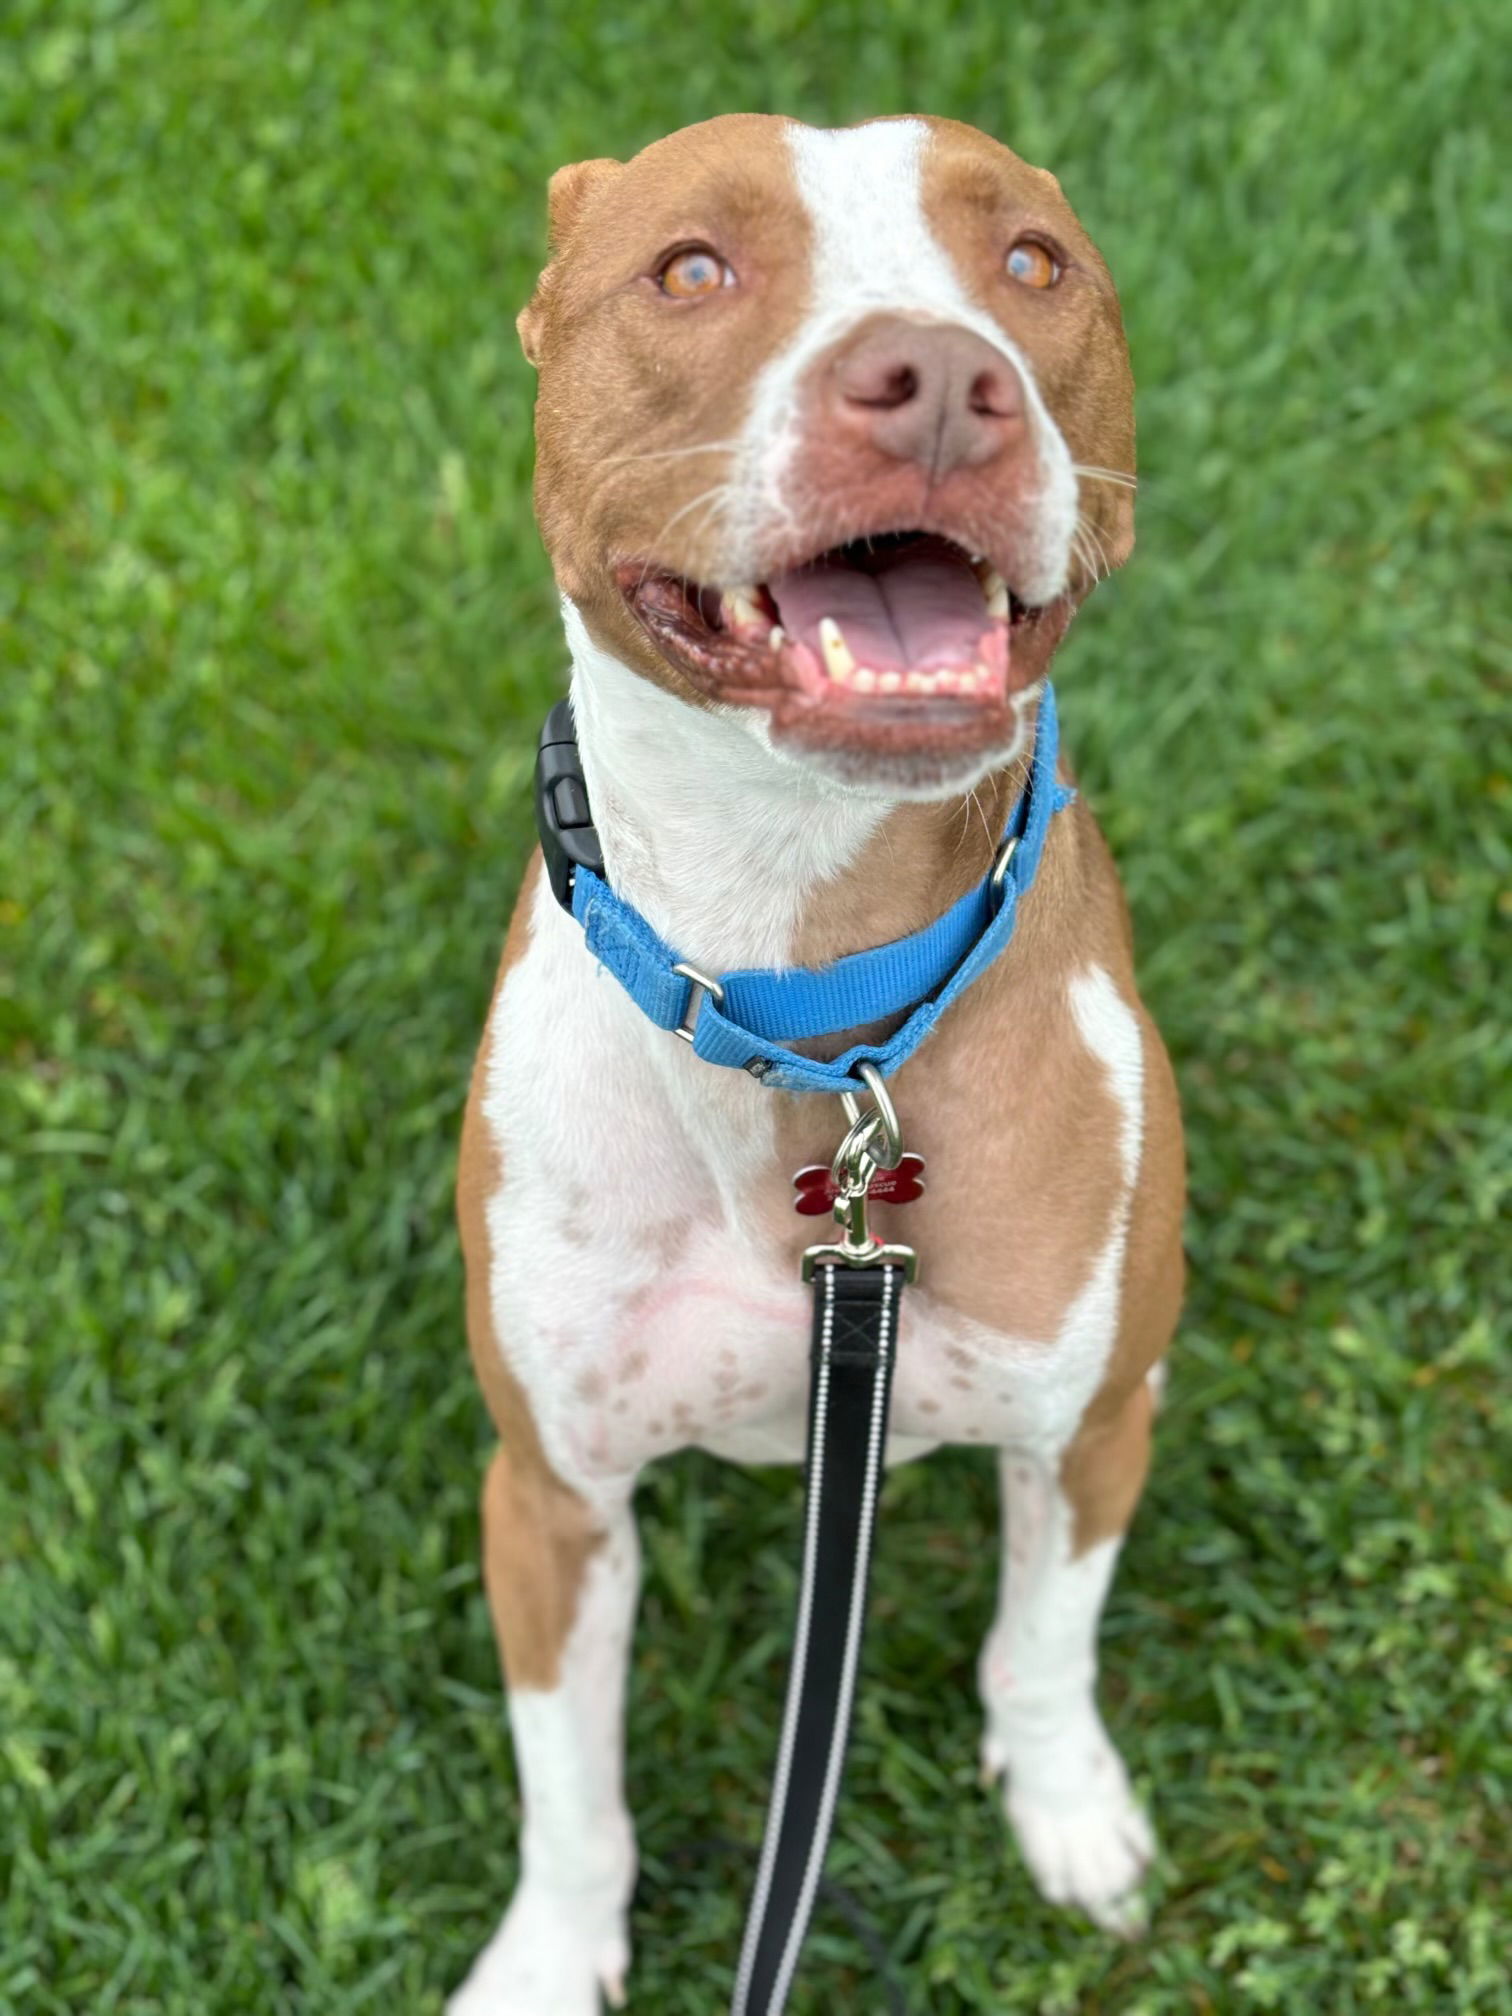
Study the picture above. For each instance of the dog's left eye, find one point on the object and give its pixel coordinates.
(693, 272)
(1033, 264)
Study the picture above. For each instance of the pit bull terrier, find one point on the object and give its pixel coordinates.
(835, 433)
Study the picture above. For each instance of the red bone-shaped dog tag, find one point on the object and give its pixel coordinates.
(817, 1189)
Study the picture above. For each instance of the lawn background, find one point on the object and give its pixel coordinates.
(275, 633)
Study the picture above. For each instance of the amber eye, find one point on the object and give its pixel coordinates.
(1033, 264)
(696, 271)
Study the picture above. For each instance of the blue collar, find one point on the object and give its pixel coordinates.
(747, 1018)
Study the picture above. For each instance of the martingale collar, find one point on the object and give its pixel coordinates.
(748, 1017)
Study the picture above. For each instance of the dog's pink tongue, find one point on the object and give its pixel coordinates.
(901, 607)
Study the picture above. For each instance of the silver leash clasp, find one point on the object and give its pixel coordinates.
(873, 1141)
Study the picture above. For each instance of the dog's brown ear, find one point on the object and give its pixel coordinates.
(528, 322)
(568, 191)
(566, 194)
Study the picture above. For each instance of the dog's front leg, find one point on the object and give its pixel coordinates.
(563, 1575)
(1082, 1832)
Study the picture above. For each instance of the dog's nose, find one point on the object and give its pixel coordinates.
(928, 392)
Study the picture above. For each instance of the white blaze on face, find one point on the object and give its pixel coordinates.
(874, 252)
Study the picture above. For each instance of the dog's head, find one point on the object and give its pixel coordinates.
(833, 427)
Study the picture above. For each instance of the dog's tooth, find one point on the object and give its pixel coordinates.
(864, 679)
(995, 592)
(889, 682)
(915, 682)
(740, 610)
(778, 637)
(838, 659)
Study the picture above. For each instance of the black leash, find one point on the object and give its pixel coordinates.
(858, 1287)
(844, 1903)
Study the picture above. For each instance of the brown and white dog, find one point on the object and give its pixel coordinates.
(835, 432)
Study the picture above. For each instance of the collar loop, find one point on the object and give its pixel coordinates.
(746, 1018)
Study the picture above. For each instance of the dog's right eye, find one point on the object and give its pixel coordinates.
(695, 270)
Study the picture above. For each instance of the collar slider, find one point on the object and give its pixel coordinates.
(701, 987)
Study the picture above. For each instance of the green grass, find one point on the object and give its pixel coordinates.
(275, 633)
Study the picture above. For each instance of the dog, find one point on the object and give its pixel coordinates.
(835, 433)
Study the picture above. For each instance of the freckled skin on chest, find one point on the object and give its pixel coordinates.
(705, 1350)
(718, 1357)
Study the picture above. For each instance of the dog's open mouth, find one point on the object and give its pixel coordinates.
(902, 639)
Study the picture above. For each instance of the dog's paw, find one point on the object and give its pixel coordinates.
(555, 1954)
(1081, 1831)
(1093, 1857)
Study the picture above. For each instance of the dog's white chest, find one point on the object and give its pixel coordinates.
(707, 1343)
(639, 1301)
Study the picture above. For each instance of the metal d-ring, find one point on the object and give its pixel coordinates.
(865, 1127)
(1000, 866)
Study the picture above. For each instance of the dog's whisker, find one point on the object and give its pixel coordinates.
(965, 828)
(1095, 543)
(610, 468)
(1093, 474)
(1087, 544)
(717, 494)
(1102, 548)
(668, 454)
(986, 829)
(1079, 551)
